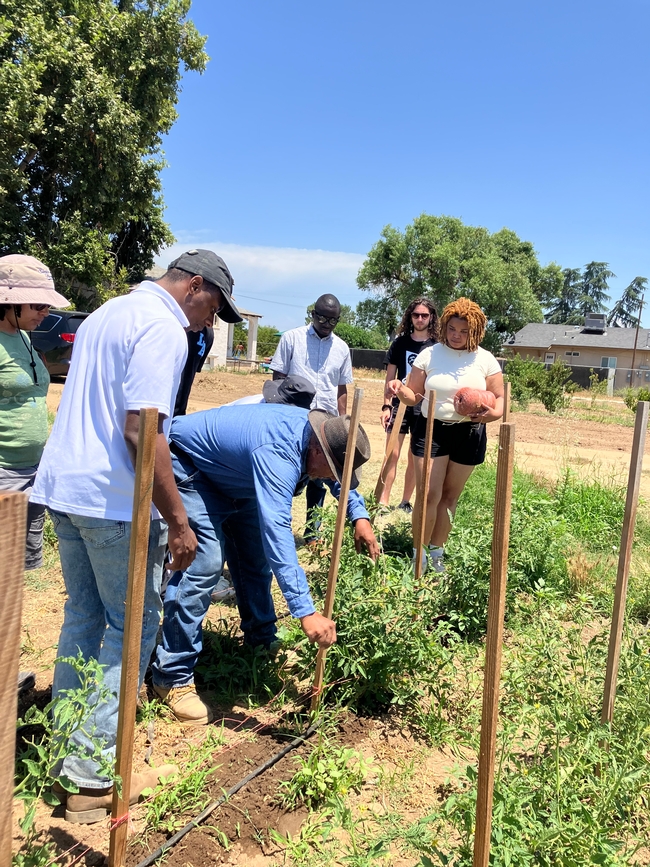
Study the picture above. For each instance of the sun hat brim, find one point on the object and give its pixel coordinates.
(26, 280)
(317, 419)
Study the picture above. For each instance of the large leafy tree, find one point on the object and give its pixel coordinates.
(582, 292)
(87, 89)
(443, 258)
(565, 308)
(625, 313)
(594, 288)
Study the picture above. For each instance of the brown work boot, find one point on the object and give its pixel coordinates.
(92, 805)
(185, 704)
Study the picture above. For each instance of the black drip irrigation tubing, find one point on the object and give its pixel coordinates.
(178, 836)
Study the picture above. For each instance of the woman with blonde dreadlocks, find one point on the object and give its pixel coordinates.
(459, 442)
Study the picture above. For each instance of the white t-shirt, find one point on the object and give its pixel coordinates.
(127, 355)
(447, 370)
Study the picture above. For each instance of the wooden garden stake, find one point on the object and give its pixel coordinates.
(492, 676)
(341, 514)
(390, 447)
(506, 402)
(420, 522)
(624, 556)
(138, 553)
(13, 518)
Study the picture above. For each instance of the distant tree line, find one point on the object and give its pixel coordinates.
(443, 258)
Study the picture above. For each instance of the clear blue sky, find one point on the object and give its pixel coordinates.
(316, 124)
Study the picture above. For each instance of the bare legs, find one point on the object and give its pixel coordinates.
(446, 484)
(391, 471)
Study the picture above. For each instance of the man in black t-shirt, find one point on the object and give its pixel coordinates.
(199, 344)
(417, 330)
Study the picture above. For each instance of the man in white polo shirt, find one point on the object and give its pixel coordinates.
(129, 354)
(315, 352)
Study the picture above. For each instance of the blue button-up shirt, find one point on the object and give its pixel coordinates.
(261, 452)
(324, 361)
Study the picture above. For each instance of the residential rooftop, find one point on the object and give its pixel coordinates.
(543, 335)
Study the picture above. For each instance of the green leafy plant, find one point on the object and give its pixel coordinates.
(40, 756)
(234, 670)
(325, 776)
(188, 796)
(634, 395)
(597, 386)
(568, 790)
(532, 380)
(389, 650)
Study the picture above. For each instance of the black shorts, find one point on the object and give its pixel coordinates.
(409, 422)
(464, 442)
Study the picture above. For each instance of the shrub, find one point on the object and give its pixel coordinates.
(634, 395)
(523, 374)
(532, 380)
(359, 338)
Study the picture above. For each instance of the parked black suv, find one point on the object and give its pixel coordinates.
(54, 337)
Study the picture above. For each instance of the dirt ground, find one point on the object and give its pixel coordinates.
(545, 444)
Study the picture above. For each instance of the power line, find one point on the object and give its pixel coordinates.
(268, 300)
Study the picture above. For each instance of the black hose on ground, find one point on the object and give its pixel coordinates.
(178, 836)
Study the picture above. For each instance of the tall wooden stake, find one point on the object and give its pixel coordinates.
(138, 553)
(624, 556)
(496, 609)
(506, 402)
(420, 522)
(390, 448)
(341, 514)
(13, 518)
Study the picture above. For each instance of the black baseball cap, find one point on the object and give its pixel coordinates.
(212, 268)
(292, 390)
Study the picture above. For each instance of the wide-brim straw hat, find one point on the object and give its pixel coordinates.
(332, 434)
(26, 280)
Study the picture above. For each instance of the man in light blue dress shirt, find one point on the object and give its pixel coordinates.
(315, 352)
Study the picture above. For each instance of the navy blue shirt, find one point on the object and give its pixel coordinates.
(260, 451)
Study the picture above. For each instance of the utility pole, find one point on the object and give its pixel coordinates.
(636, 337)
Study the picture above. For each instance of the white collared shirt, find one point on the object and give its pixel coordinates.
(324, 361)
(127, 355)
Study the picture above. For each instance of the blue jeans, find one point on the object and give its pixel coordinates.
(226, 529)
(94, 558)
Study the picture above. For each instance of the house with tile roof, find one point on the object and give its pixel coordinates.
(607, 350)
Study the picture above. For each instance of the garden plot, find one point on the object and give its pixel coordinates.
(409, 664)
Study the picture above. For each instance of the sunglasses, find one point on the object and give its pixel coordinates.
(40, 307)
(420, 315)
(325, 320)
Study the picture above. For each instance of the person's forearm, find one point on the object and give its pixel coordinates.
(356, 507)
(165, 493)
(407, 396)
(391, 373)
(342, 401)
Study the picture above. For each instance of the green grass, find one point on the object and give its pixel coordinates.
(568, 791)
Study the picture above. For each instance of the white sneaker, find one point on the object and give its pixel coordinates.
(224, 592)
(436, 559)
(425, 561)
